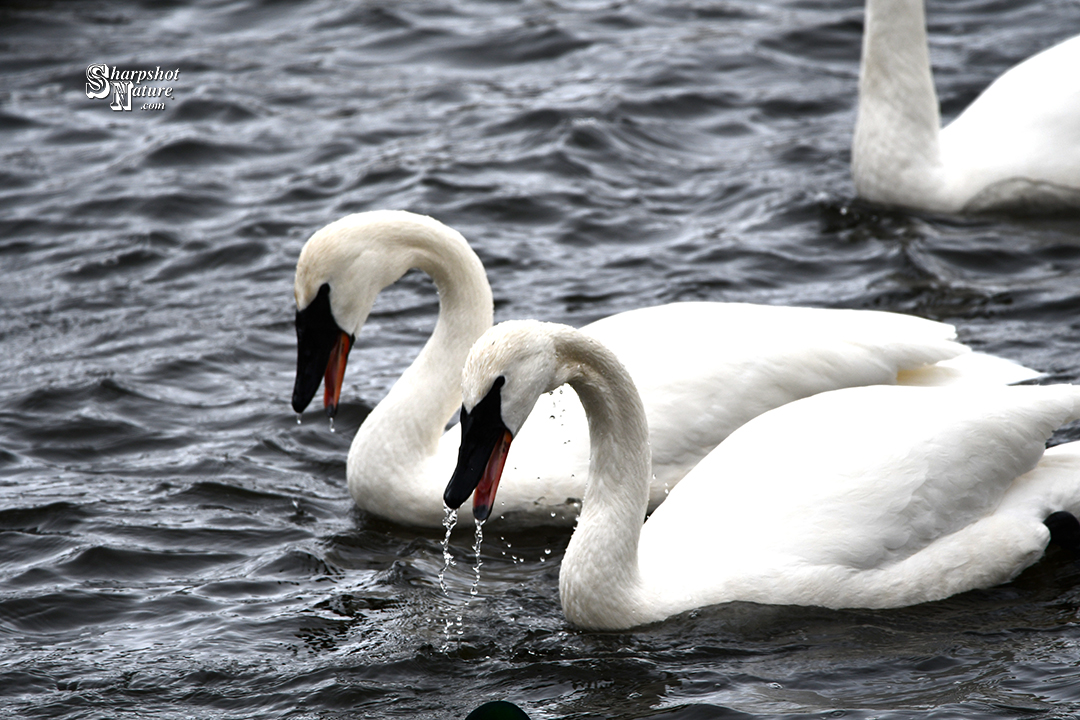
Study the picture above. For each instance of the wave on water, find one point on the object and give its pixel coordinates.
(173, 544)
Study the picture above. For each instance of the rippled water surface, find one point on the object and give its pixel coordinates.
(174, 545)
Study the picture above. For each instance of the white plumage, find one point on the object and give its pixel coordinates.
(862, 497)
(703, 369)
(1017, 146)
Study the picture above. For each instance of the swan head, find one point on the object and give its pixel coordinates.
(341, 270)
(508, 368)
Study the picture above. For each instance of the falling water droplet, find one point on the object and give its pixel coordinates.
(332, 425)
(446, 634)
(299, 419)
(476, 550)
(449, 521)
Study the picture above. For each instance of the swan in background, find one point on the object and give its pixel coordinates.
(875, 497)
(1017, 146)
(702, 368)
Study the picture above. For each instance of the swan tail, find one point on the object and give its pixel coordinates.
(1040, 508)
(991, 551)
(973, 368)
(1006, 536)
(1052, 486)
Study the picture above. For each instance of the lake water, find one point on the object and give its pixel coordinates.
(173, 545)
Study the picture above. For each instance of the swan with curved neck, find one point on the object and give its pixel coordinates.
(863, 497)
(1017, 146)
(683, 357)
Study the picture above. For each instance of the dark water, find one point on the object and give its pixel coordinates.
(173, 545)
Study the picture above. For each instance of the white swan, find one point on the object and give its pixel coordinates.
(863, 497)
(1017, 146)
(703, 369)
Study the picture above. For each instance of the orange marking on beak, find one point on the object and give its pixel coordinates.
(335, 374)
(484, 495)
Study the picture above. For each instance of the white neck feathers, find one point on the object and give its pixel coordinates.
(403, 431)
(599, 583)
(895, 151)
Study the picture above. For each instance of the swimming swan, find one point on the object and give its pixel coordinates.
(1017, 146)
(872, 497)
(703, 369)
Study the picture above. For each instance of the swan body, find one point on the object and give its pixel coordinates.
(1017, 146)
(876, 497)
(702, 368)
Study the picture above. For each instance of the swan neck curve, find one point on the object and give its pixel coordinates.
(466, 311)
(895, 150)
(385, 468)
(600, 583)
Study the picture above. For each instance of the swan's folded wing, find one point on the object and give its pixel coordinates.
(704, 369)
(863, 478)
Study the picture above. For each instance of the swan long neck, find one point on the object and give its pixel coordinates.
(403, 431)
(600, 583)
(433, 381)
(895, 150)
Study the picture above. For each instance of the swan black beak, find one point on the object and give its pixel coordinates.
(485, 442)
(322, 349)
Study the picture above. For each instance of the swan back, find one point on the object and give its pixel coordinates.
(1018, 143)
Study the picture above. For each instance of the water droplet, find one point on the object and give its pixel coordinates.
(449, 521)
(332, 425)
(299, 419)
(476, 550)
(547, 551)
